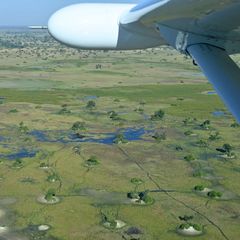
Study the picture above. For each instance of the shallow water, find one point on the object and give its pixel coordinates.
(211, 93)
(23, 153)
(218, 113)
(130, 134)
(88, 98)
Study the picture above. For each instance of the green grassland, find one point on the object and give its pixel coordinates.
(46, 87)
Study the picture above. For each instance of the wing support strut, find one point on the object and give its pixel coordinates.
(222, 72)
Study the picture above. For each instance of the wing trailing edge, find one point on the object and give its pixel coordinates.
(222, 72)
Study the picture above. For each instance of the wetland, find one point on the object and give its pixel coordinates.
(141, 148)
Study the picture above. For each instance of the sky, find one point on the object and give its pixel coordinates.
(34, 12)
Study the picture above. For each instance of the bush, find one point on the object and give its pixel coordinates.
(197, 227)
(189, 158)
(43, 165)
(63, 111)
(53, 178)
(77, 149)
(144, 196)
(119, 139)
(133, 195)
(186, 218)
(205, 125)
(199, 188)
(50, 195)
(137, 181)
(198, 173)
(158, 115)
(91, 104)
(79, 126)
(184, 226)
(214, 194)
(188, 133)
(139, 110)
(13, 110)
(159, 136)
(235, 125)
(226, 148)
(214, 136)
(18, 163)
(147, 199)
(202, 143)
(179, 148)
(92, 161)
(189, 120)
(23, 128)
(113, 115)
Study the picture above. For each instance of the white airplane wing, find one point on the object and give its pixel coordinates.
(199, 16)
(207, 30)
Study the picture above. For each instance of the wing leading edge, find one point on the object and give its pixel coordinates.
(208, 30)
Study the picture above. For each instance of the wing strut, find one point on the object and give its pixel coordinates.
(221, 71)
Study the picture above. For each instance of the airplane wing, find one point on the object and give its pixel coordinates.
(206, 17)
(208, 30)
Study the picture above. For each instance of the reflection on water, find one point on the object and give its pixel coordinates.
(219, 113)
(64, 136)
(88, 98)
(23, 153)
(211, 93)
(130, 134)
(2, 139)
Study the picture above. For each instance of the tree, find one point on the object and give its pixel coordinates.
(50, 195)
(189, 157)
(144, 196)
(53, 177)
(109, 215)
(79, 126)
(77, 149)
(159, 136)
(91, 162)
(227, 149)
(214, 194)
(235, 125)
(187, 225)
(158, 115)
(202, 143)
(119, 139)
(185, 218)
(188, 133)
(64, 110)
(113, 115)
(18, 163)
(199, 188)
(187, 121)
(23, 128)
(179, 148)
(214, 136)
(205, 125)
(91, 104)
(137, 182)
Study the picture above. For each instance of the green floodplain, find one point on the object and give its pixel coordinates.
(112, 145)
